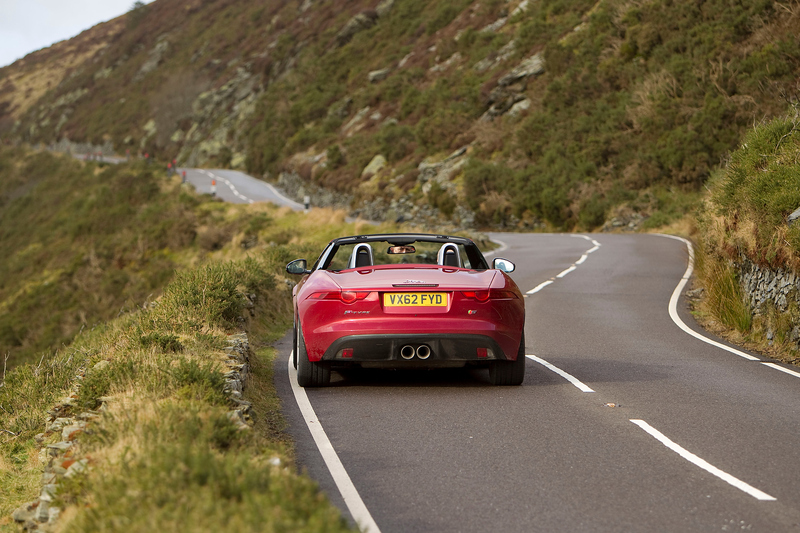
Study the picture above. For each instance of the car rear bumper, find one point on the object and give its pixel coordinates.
(409, 350)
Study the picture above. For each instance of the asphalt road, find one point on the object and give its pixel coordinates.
(445, 451)
(236, 187)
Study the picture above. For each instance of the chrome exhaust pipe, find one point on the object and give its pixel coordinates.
(423, 351)
(407, 352)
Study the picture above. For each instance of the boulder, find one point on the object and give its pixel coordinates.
(794, 216)
(532, 66)
(378, 75)
(377, 164)
(360, 22)
(384, 7)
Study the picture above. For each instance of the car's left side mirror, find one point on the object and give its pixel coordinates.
(503, 264)
(298, 266)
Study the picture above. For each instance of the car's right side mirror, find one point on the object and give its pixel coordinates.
(298, 266)
(503, 264)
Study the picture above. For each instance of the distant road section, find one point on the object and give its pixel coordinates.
(236, 187)
(229, 185)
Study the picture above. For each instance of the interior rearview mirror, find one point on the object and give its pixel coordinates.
(401, 250)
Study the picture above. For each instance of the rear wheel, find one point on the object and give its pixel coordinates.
(509, 372)
(294, 346)
(309, 373)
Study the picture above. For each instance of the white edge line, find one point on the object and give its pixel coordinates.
(289, 201)
(502, 248)
(705, 465)
(582, 259)
(540, 287)
(567, 271)
(596, 247)
(348, 491)
(786, 370)
(673, 306)
(569, 377)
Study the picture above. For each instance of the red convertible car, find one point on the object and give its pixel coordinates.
(406, 301)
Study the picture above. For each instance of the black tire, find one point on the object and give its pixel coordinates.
(509, 372)
(310, 374)
(294, 346)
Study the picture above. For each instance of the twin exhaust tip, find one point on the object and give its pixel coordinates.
(408, 352)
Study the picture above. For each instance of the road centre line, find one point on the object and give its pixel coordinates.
(343, 482)
(572, 268)
(569, 377)
(567, 271)
(705, 465)
(540, 287)
(229, 184)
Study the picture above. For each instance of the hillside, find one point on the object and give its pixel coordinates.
(749, 242)
(136, 319)
(85, 242)
(553, 113)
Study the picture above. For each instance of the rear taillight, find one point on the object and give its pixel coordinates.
(481, 296)
(347, 297)
(493, 294)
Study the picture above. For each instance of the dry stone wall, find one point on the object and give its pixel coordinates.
(63, 459)
(766, 287)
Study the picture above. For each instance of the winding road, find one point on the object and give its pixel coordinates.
(625, 421)
(236, 187)
(631, 418)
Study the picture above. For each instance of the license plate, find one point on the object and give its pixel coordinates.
(415, 299)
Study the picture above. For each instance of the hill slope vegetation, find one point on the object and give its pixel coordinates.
(571, 112)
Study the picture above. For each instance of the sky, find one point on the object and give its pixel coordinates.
(30, 25)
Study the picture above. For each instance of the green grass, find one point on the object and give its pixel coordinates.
(634, 98)
(164, 454)
(744, 218)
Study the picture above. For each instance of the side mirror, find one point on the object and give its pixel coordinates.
(298, 266)
(503, 264)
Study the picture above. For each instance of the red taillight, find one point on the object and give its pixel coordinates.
(347, 353)
(494, 294)
(481, 296)
(483, 352)
(347, 297)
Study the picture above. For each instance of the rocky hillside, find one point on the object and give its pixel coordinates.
(531, 113)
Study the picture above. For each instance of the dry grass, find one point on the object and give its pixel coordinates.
(41, 71)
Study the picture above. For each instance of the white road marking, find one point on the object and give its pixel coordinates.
(502, 248)
(230, 185)
(695, 460)
(540, 287)
(571, 268)
(351, 497)
(673, 306)
(288, 201)
(782, 369)
(569, 377)
(567, 271)
(673, 313)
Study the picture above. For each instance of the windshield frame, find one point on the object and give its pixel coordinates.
(473, 253)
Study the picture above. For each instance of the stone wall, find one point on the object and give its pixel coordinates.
(764, 286)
